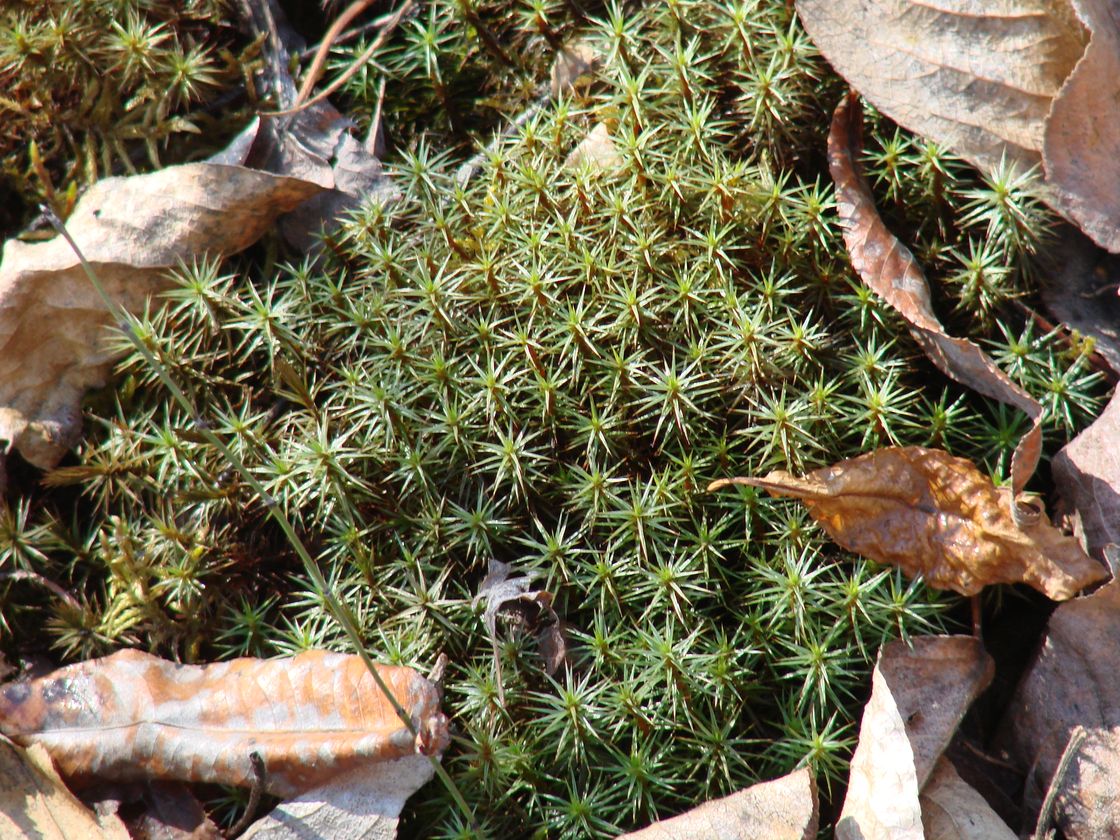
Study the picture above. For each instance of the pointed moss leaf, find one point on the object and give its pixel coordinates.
(1081, 150)
(135, 716)
(781, 809)
(937, 516)
(976, 77)
(890, 270)
(918, 696)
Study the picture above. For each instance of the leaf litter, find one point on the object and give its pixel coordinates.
(936, 516)
(310, 717)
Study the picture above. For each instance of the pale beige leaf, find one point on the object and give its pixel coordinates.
(35, 803)
(573, 68)
(975, 75)
(310, 717)
(1087, 806)
(935, 515)
(597, 151)
(1081, 153)
(890, 270)
(918, 697)
(52, 323)
(1072, 682)
(781, 809)
(361, 804)
(953, 810)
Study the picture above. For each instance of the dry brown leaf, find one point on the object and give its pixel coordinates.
(1081, 152)
(953, 810)
(935, 515)
(918, 697)
(1079, 288)
(132, 715)
(1087, 474)
(35, 803)
(573, 68)
(314, 145)
(597, 151)
(976, 77)
(1087, 806)
(169, 811)
(132, 230)
(361, 804)
(1072, 682)
(781, 809)
(890, 270)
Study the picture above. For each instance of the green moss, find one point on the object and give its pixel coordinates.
(104, 87)
(546, 367)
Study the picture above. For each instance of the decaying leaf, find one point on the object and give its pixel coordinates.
(1087, 805)
(132, 715)
(1081, 151)
(1072, 682)
(1087, 474)
(533, 609)
(361, 804)
(597, 151)
(315, 145)
(953, 810)
(169, 811)
(132, 230)
(918, 696)
(1079, 288)
(935, 515)
(573, 67)
(976, 77)
(35, 803)
(782, 809)
(890, 270)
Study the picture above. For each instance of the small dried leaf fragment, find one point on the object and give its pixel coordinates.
(890, 270)
(1071, 683)
(953, 810)
(935, 515)
(781, 809)
(573, 68)
(132, 230)
(132, 715)
(533, 609)
(918, 696)
(1081, 149)
(976, 77)
(1087, 474)
(597, 151)
(35, 803)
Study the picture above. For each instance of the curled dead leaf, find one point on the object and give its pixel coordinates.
(890, 270)
(918, 696)
(935, 515)
(1087, 474)
(132, 715)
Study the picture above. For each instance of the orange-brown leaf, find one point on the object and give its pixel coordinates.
(890, 270)
(132, 715)
(938, 516)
